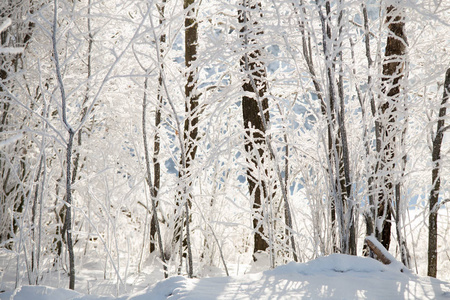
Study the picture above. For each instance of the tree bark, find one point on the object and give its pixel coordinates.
(190, 130)
(157, 142)
(190, 89)
(338, 156)
(69, 145)
(393, 72)
(436, 180)
(307, 55)
(254, 137)
(76, 162)
(152, 188)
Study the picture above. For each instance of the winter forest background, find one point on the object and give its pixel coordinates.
(190, 135)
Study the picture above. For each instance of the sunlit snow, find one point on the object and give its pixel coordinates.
(336, 276)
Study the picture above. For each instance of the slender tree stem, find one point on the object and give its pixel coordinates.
(436, 180)
(71, 132)
(149, 177)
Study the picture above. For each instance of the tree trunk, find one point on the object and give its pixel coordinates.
(68, 219)
(69, 145)
(393, 72)
(255, 87)
(436, 180)
(153, 190)
(370, 214)
(307, 55)
(157, 142)
(76, 162)
(287, 209)
(190, 131)
(338, 157)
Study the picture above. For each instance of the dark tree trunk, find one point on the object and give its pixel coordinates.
(393, 72)
(157, 143)
(68, 218)
(436, 180)
(370, 214)
(153, 191)
(255, 87)
(69, 148)
(190, 130)
(190, 89)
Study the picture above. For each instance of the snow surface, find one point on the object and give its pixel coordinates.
(336, 276)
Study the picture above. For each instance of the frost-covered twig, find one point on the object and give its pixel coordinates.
(267, 136)
(68, 217)
(5, 24)
(11, 140)
(182, 148)
(9, 50)
(149, 177)
(217, 242)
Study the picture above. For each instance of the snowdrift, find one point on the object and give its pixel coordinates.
(333, 277)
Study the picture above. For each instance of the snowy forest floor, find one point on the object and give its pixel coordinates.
(331, 277)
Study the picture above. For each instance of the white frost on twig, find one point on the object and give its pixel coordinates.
(11, 140)
(5, 25)
(9, 50)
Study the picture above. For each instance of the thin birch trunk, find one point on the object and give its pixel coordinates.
(69, 145)
(307, 55)
(436, 180)
(149, 178)
(157, 142)
(183, 155)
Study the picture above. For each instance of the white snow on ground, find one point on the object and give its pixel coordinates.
(336, 276)
(331, 277)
